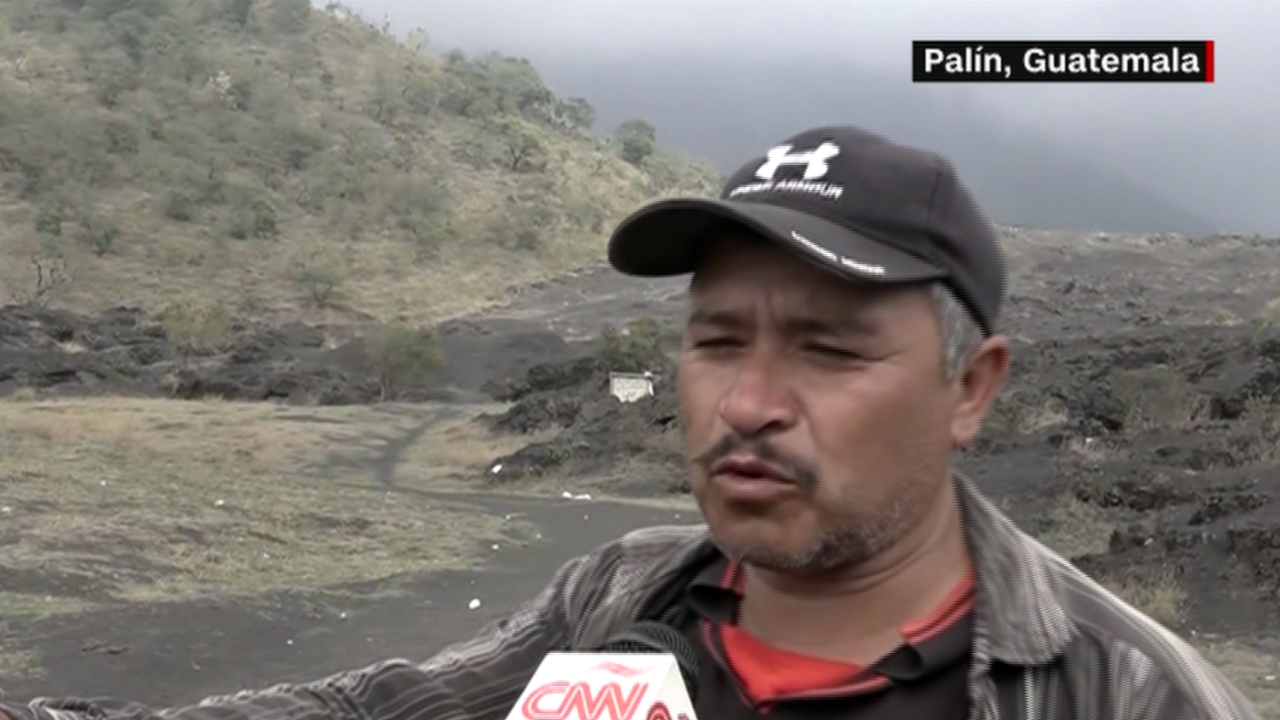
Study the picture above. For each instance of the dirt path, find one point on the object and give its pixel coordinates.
(180, 652)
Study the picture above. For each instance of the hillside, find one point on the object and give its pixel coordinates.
(210, 157)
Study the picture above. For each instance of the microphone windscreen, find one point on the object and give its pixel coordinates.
(652, 637)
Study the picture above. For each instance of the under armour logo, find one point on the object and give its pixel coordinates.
(815, 160)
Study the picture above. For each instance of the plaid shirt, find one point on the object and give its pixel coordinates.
(1049, 644)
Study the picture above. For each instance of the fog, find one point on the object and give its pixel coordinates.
(721, 79)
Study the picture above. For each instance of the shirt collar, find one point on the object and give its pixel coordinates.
(1019, 616)
(716, 591)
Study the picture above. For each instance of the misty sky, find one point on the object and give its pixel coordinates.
(1213, 147)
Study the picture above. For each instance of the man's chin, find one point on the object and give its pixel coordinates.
(765, 551)
(775, 560)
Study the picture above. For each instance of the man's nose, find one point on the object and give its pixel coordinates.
(760, 399)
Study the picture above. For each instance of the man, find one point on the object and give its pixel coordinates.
(841, 344)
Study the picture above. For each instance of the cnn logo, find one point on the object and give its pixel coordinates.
(563, 700)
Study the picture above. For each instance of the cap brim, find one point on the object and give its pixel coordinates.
(668, 238)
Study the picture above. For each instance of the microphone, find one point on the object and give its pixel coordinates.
(652, 637)
(647, 672)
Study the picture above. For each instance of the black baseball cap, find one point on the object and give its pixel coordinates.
(854, 202)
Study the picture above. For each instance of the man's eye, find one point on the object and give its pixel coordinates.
(717, 342)
(832, 351)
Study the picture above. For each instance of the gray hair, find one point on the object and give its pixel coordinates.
(961, 335)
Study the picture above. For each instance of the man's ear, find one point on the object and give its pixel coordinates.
(977, 388)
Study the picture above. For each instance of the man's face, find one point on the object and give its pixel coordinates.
(837, 388)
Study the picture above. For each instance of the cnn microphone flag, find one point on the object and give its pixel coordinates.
(1131, 61)
(605, 686)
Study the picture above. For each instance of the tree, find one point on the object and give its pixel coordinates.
(401, 356)
(574, 113)
(419, 42)
(515, 86)
(461, 85)
(319, 276)
(386, 95)
(522, 143)
(637, 140)
(421, 92)
(636, 348)
(50, 275)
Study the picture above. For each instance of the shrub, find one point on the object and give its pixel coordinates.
(401, 354)
(635, 348)
(1156, 396)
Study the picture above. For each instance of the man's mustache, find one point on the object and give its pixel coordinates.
(803, 474)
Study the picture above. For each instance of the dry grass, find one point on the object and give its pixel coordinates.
(1155, 593)
(1157, 396)
(1013, 416)
(1263, 415)
(254, 437)
(1073, 528)
(1046, 414)
(1219, 315)
(19, 663)
(1269, 316)
(470, 446)
(123, 500)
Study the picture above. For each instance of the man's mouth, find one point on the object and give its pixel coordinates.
(747, 479)
(746, 468)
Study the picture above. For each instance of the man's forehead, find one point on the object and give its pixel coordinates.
(742, 291)
(800, 306)
(731, 290)
(749, 269)
(735, 261)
